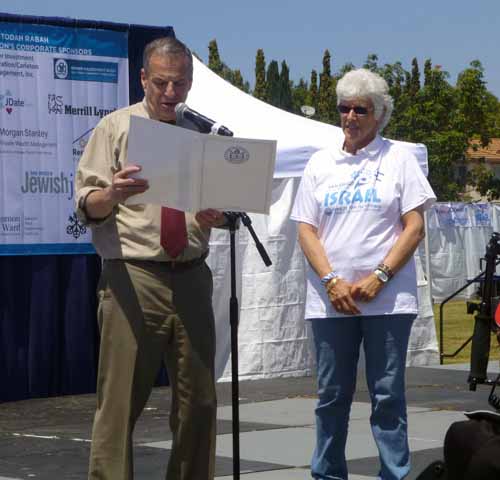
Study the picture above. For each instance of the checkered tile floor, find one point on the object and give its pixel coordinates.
(49, 439)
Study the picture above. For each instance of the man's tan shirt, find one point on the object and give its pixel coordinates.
(131, 231)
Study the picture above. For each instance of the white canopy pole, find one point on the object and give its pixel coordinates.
(427, 252)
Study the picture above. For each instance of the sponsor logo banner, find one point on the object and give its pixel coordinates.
(56, 105)
(56, 84)
(85, 71)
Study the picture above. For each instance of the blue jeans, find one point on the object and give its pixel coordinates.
(337, 341)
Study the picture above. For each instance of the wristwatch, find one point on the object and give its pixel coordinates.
(381, 275)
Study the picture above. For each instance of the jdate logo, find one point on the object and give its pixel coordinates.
(9, 102)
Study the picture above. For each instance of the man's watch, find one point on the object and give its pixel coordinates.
(381, 275)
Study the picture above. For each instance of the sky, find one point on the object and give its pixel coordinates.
(451, 33)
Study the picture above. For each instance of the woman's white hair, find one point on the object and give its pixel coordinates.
(363, 83)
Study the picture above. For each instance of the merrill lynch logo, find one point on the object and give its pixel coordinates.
(236, 154)
(56, 105)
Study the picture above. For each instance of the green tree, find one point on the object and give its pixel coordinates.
(260, 76)
(371, 63)
(214, 61)
(334, 114)
(427, 71)
(407, 83)
(286, 102)
(347, 67)
(394, 74)
(239, 82)
(428, 118)
(494, 113)
(399, 78)
(312, 99)
(484, 180)
(474, 113)
(326, 103)
(300, 95)
(273, 84)
(414, 78)
(235, 78)
(216, 64)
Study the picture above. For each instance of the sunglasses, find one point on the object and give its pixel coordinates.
(358, 110)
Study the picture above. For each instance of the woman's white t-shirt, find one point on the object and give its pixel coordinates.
(356, 203)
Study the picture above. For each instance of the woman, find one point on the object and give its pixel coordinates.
(360, 212)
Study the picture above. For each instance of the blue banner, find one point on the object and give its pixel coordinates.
(23, 38)
(56, 84)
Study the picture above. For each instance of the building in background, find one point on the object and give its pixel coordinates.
(484, 163)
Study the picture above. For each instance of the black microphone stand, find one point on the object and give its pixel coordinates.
(233, 223)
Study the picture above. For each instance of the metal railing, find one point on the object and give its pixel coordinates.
(471, 308)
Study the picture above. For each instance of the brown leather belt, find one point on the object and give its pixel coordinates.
(171, 266)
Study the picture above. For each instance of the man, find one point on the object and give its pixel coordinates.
(155, 289)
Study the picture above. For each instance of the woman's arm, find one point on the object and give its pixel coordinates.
(339, 291)
(405, 246)
(413, 232)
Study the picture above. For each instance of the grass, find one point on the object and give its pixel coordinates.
(458, 327)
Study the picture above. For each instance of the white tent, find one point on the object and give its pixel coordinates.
(273, 337)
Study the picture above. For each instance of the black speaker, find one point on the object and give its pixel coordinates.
(436, 470)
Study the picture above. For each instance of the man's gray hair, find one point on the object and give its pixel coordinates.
(166, 46)
(363, 83)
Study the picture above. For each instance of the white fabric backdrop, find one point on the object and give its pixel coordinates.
(458, 234)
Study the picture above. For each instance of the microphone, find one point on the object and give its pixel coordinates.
(204, 124)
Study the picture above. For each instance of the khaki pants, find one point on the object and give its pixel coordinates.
(148, 314)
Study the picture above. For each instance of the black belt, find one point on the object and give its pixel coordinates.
(179, 266)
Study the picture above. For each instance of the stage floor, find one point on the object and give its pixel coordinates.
(47, 439)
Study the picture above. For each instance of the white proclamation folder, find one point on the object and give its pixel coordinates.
(191, 171)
